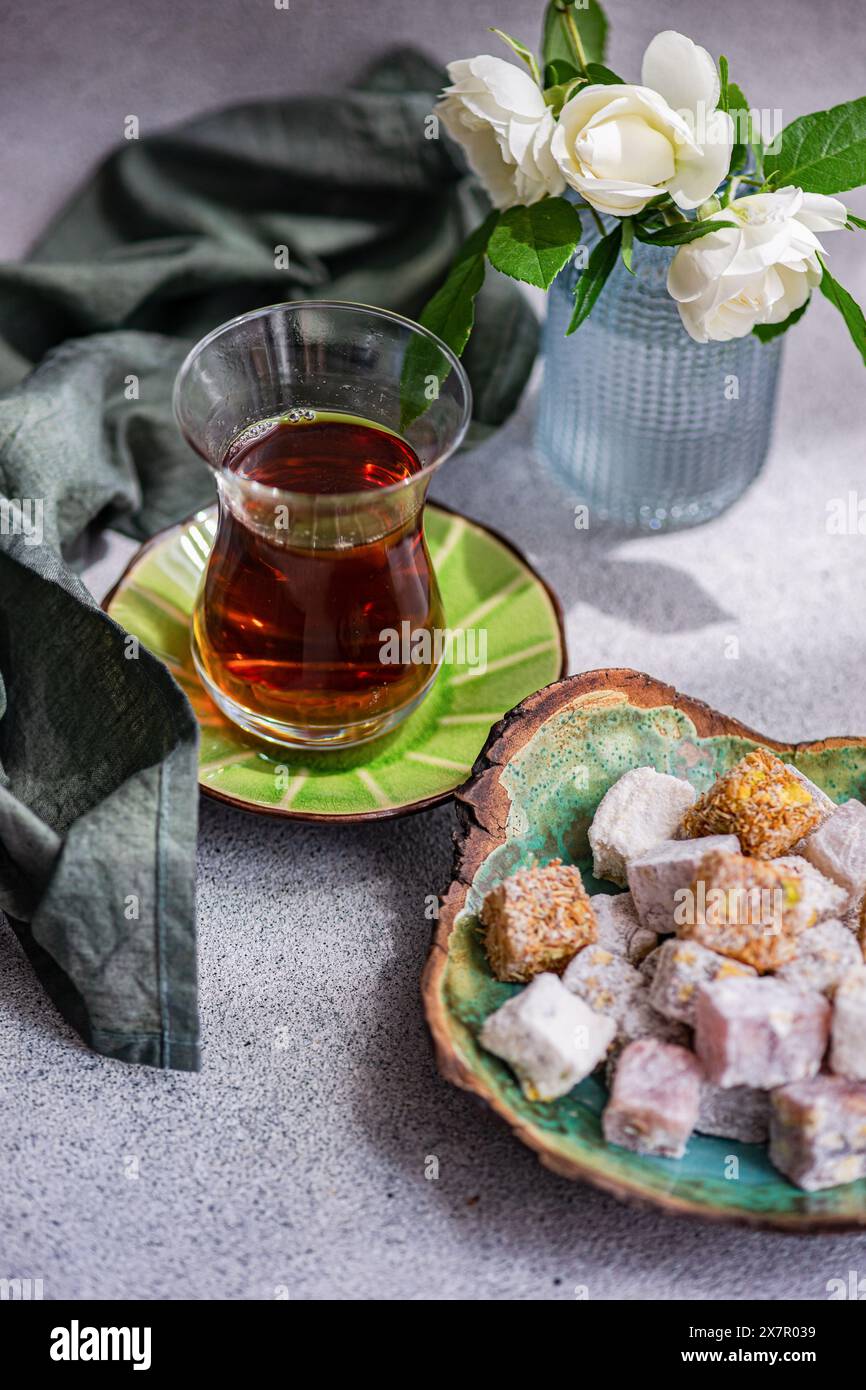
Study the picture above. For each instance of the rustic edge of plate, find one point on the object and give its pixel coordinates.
(482, 805)
(354, 817)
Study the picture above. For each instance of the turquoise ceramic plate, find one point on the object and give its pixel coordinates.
(485, 583)
(535, 789)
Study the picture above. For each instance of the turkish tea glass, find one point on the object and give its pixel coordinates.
(324, 423)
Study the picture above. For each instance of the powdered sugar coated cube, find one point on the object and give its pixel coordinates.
(760, 1033)
(658, 875)
(548, 1036)
(838, 847)
(683, 967)
(619, 927)
(641, 809)
(848, 1045)
(655, 1099)
(825, 954)
(818, 1132)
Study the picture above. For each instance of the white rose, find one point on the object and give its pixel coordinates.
(758, 271)
(620, 146)
(497, 113)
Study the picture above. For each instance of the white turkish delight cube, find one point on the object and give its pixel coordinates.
(641, 809)
(549, 1037)
(657, 876)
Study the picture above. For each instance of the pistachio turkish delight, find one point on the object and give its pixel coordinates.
(818, 1132)
(536, 920)
(825, 954)
(744, 908)
(761, 801)
(654, 1100)
(641, 809)
(683, 967)
(549, 1037)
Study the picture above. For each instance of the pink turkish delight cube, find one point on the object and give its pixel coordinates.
(657, 876)
(848, 1046)
(760, 1033)
(655, 1099)
(838, 847)
(818, 1132)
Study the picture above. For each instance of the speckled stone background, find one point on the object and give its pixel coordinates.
(295, 1162)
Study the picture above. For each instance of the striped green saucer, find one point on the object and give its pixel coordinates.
(482, 579)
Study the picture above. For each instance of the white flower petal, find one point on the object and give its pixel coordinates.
(822, 214)
(682, 72)
(700, 171)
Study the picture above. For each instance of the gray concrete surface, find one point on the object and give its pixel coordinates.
(294, 1163)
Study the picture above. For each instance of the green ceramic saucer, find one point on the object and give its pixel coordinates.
(538, 782)
(483, 581)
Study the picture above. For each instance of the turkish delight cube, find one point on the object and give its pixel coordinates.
(744, 908)
(655, 1099)
(825, 954)
(760, 1033)
(838, 847)
(741, 1112)
(536, 920)
(825, 804)
(763, 803)
(819, 897)
(655, 878)
(848, 1032)
(683, 967)
(649, 965)
(604, 980)
(640, 1019)
(818, 1132)
(619, 927)
(549, 1037)
(642, 808)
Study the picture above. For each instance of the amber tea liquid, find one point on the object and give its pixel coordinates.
(289, 620)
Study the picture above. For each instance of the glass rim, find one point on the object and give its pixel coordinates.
(262, 490)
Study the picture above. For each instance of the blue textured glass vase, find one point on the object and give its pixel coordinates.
(647, 427)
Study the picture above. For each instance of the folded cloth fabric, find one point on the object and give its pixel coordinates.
(175, 233)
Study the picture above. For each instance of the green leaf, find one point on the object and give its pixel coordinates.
(592, 281)
(524, 53)
(824, 152)
(533, 244)
(723, 84)
(680, 232)
(592, 27)
(628, 244)
(767, 331)
(556, 97)
(559, 72)
(848, 308)
(855, 221)
(598, 73)
(450, 314)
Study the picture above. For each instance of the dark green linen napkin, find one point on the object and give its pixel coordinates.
(175, 233)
